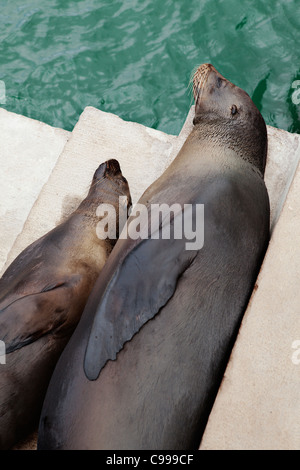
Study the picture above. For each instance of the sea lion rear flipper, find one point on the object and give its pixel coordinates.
(135, 293)
(29, 317)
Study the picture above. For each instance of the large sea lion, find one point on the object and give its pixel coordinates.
(146, 360)
(42, 295)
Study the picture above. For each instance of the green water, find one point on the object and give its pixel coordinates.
(134, 58)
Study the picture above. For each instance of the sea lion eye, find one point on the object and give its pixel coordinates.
(234, 110)
(219, 82)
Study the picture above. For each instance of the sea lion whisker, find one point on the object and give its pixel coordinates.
(200, 84)
(192, 75)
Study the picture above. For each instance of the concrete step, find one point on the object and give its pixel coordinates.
(28, 153)
(143, 154)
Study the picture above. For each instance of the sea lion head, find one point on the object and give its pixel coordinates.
(108, 188)
(109, 180)
(228, 115)
(110, 171)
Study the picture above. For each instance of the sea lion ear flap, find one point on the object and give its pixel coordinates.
(138, 289)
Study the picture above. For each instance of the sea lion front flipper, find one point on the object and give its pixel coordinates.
(29, 317)
(141, 285)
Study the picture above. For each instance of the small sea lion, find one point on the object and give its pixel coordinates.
(42, 296)
(145, 363)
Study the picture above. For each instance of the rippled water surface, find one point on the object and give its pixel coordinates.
(134, 58)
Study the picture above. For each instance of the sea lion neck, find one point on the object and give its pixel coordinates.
(247, 144)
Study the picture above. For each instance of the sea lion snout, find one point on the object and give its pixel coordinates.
(110, 167)
(199, 77)
(113, 167)
(116, 184)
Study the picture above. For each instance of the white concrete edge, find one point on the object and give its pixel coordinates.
(17, 151)
(35, 121)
